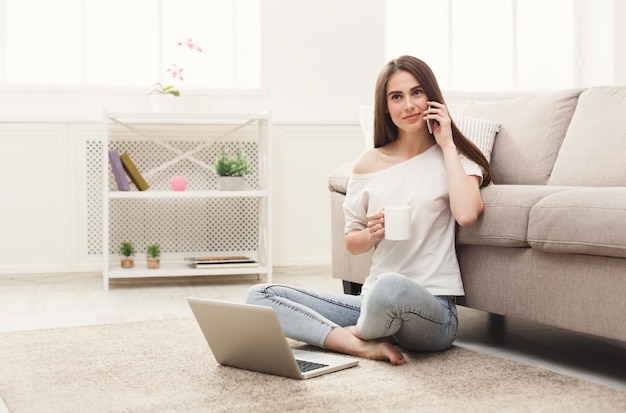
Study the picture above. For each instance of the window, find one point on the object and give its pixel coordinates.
(488, 45)
(130, 43)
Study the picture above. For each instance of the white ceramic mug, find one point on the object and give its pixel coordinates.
(398, 222)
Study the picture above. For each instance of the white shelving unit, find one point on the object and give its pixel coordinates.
(200, 221)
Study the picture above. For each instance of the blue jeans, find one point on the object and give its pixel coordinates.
(394, 307)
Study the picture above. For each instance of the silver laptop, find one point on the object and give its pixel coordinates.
(249, 337)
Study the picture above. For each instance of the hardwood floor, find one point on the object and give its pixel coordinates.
(52, 301)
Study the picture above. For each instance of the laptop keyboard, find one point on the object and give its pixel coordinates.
(309, 365)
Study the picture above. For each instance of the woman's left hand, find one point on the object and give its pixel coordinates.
(442, 127)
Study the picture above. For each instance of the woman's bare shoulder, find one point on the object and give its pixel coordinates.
(367, 162)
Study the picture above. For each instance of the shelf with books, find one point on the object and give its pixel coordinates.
(164, 148)
(179, 269)
(187, 194)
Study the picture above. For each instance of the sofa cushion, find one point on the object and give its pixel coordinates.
(532, 129)
(504, 221)
(596, 135)
(480, 131)
(580, 221)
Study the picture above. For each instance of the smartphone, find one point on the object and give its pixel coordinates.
(430, 123)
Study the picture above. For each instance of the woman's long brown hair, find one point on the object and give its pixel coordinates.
(385, 131)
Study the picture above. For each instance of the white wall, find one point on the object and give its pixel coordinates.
(619, 46)
(598, 66)
(308, 154)
(321, 58)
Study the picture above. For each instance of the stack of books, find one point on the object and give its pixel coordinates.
(224, 261)
(122, 163)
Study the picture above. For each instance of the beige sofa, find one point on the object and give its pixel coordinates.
(550, 245)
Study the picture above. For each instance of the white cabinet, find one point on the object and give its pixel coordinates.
(199, 221)
(35, 206)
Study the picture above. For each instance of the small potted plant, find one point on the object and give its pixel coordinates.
(127, 253)
(231, 171)
(164, 90)
(162, 97)
(153, 254)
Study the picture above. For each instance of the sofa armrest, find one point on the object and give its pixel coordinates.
(338, 179)
(345, 266)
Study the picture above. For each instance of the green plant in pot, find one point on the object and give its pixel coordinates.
(162, 97)
(127, 253)
(231, 170)
(153, 256)
(160, 89)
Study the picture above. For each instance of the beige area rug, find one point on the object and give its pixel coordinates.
(166, 366)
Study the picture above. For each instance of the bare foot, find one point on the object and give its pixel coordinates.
(346, 340)
(382, 350)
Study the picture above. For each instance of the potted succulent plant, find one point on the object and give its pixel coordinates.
(127, 253)
(231, 171)
(153, 254)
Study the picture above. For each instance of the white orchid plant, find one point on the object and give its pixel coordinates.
(176, 71)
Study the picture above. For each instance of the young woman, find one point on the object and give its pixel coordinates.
(408, 299)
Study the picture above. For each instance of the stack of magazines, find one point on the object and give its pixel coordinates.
(224, 261)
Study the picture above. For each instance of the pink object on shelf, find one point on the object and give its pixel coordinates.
(178, 183)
